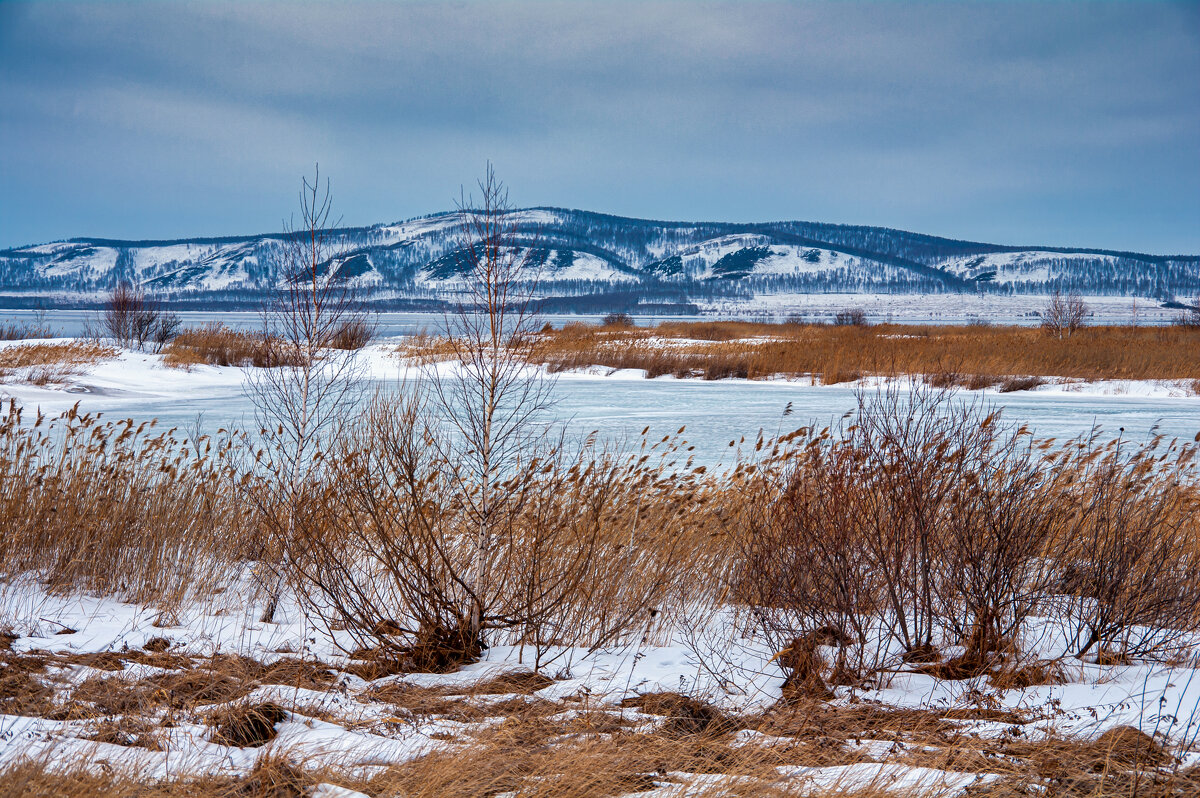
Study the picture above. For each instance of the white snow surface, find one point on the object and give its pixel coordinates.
(711, 656)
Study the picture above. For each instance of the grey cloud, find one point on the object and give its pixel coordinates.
(1058, 123)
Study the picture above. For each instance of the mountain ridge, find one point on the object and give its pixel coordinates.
(585, 256)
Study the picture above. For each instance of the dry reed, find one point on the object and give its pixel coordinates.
(954, 355)
(41, 364)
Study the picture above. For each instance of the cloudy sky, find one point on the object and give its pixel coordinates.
(1025, 123)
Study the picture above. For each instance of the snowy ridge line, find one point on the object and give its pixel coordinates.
(594, 261)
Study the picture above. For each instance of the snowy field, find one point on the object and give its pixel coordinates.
(943, 308)
(708, 653)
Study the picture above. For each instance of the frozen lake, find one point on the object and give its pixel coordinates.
(715, 413)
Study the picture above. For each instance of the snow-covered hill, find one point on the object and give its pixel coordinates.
(595, 261)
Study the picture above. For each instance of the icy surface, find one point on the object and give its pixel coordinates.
(620, 404)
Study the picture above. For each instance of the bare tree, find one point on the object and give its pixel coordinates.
(303, 397)
(1064, 315)
(492, 398)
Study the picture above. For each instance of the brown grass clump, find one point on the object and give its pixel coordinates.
(1126, 745)
(354, 333)
(217, 345)
(115, 695)
(973, 355)
(685, 715)
(522, 682)
(1024, 676)
(247, 725)
(188, 684)
(516, 759)
(1012, 384)
(130, 732)
(22, 690)
(43, 364)
(271, 777)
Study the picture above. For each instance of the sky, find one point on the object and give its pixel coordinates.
(1065, 124)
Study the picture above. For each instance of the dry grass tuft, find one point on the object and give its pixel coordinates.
(44, 364)
(1128, 746)
(215, 344)
(685, 715)
(22, 692)
(1024, 676)
(1012, 384)
(247, 725)
(127, 731)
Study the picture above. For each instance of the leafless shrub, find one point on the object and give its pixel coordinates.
(1127, 551)
(850, 317)
(998, 518)
(386, 548)
(132, 320)
(1064, 315)
(617, 320)
(920, 523)
(1013, 384)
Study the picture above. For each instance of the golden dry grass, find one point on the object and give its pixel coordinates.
(41, 364)
(116, 507)
(976, 356)
(215, 344)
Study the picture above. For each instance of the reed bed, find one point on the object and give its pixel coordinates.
(41, 364)
(116, 507)
(961, 355)
(215, 344)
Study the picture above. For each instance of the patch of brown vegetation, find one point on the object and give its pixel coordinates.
(685, 716)
(22, 692)
(972, 356)
(131, 732)
(1128, 746)
(246, 725)
(271, 777)
(42, 364)
(215, 344)
(116, 695)
(523, 682)
(1022, 676)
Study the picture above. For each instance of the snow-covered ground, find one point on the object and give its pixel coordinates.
(718, 661)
